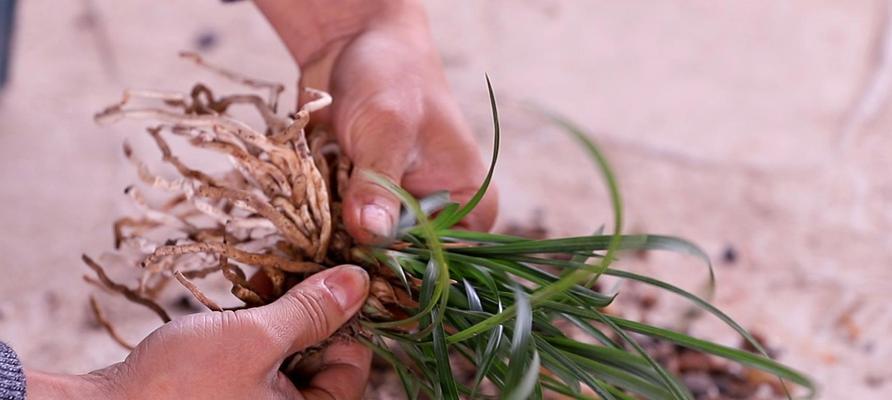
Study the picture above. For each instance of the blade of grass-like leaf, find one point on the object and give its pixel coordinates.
(674, 387)
(446, 213)
(544, 293)
(697, 301)
(564, 374)
(750, 359)
(671, 288)
(496, 266)
(557, 387)
(454, 218)
(587, 244)
(522, 374)
(478, 237)
(441, 352)
(528, 382)
(582, 258)
(428, 284)
(495, 374)
(617, 357)
(473, 300)
(531, 274)
(430, 204)
(740, 356)
(488, 355)
(616, 204)
(482, 276)
(590, 330)
(485, 352)
(422, 362)
(393, 264)
(440, 295)
(621, 378)
(593, 243)
(410, 263)
(677, 390)
(406, 377)
(579, 373)
(620, 395)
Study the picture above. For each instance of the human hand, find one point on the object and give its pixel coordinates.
(237, 354)
(393, 111)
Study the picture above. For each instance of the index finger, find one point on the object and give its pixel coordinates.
(343, 374)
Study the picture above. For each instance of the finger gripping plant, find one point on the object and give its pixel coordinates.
(436, 295)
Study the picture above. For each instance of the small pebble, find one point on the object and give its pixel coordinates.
(729, 255)
(185, 303)
(868, 347)
(874, 381)
(693, 361)
(206, 40)
(699, 383)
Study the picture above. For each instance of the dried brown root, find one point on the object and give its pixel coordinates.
(277, 278)
(253, 203)
(284, 136)
(155, 215)
(292, 159)
(275, 89)
(381, 290)
(200, 273)
(196, 292)
(304, 221)
(168, 157)
(130, 294)
(273, 122)
(297, 365)
(258, 260)
(97, 284)
(270, 178)
(136, 226)
(203, 102)
(318, 201)
(343, 175)
(275, 210)
(321, 100)
(152, 291)
(241, 288)
(101, 319)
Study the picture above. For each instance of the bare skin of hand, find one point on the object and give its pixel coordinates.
(393, 112)
(237, 354)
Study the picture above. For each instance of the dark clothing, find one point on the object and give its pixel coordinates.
(12, 377)
(7, 13)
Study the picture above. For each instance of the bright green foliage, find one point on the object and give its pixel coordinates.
(471, 306)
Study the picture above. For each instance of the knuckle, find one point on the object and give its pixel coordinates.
(386, 111)
(245, 322)
(310, 312)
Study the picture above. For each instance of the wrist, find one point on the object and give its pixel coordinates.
(314, 29)
(41, 385)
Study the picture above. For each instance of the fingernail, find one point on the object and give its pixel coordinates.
(348, 284)
(376, 220)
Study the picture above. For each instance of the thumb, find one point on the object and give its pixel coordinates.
(313, 310)
(379, 136)
(370, 211)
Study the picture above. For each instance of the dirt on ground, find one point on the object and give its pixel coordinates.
(758, 130)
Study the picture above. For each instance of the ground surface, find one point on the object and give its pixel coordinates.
(722, 122)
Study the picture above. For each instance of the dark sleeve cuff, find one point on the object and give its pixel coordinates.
(12, 377)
